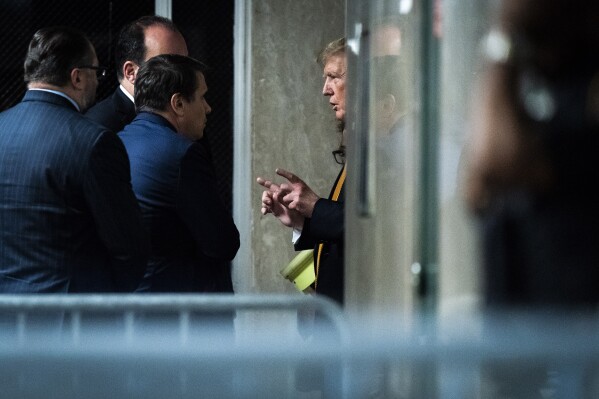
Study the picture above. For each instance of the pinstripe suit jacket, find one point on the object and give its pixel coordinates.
(69, 221)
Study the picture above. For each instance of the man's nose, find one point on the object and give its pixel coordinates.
(326, 88)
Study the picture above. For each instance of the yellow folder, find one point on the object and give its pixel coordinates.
(300, 271)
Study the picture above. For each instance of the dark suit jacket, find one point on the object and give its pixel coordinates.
(69, 221)
(542, 251)
(192, 233)
(327, 225)
(114, 112)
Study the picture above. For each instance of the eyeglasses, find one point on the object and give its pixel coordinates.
(339, 155)
(100, 70)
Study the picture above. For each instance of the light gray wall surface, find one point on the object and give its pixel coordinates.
(284, 122)
(465, 24)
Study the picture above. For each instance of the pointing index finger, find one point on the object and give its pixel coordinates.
(287, 175)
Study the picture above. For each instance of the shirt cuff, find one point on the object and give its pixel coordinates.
(296, 235)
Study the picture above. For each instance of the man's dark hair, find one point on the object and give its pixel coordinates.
(131, 43)
(161, 77)
(54, 52)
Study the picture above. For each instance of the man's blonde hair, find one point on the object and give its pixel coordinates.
(333, 48)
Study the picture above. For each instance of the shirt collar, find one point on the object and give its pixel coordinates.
(60, 93)
(129, 96)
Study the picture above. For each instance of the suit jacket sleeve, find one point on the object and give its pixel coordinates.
(326, 224)
(201, 209)
(115, 210)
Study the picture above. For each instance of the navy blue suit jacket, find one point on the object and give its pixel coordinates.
(69, 221)
(114, 112)
(193, 236)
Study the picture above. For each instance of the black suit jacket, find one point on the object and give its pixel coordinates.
(114, 112)
(327, 226)
(69, 221)
(193, 236)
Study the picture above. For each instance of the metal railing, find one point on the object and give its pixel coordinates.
(155, 346)
(69, 309)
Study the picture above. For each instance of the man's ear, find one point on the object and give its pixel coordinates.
(178, 104)
(130, 69)
(76, 78)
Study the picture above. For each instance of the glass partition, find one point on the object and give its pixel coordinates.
(412, 247)
(410, 70)
(385, 162)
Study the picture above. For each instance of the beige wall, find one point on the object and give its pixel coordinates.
(282, 120)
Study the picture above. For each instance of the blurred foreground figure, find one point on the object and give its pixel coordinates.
(531, 167)
(530, 174)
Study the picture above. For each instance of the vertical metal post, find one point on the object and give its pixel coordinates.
(21, 320)
(425, 372)
(184, 326)
(164, 8)
(129, 317)
(429, 61)
(76, 327)
(243, 274)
